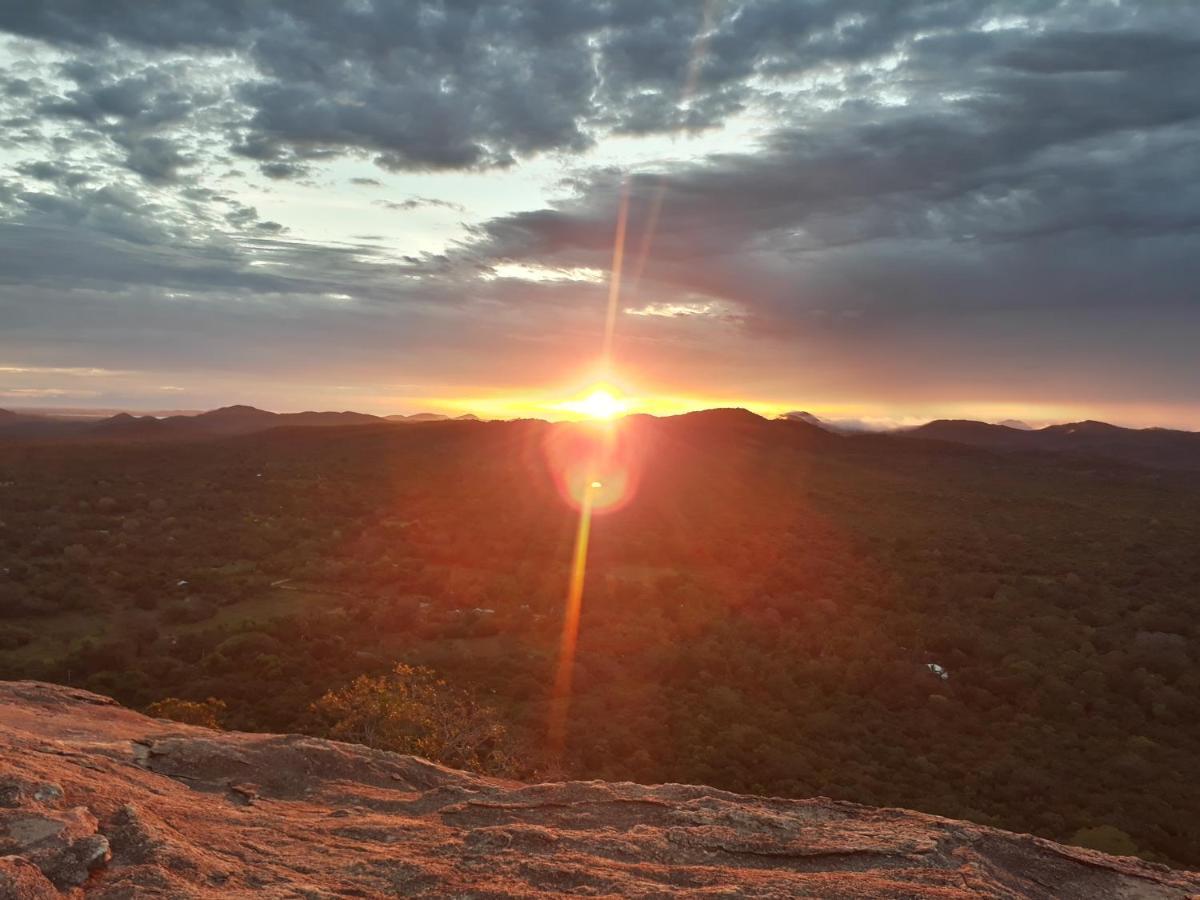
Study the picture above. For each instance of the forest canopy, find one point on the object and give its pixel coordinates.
(764, 615)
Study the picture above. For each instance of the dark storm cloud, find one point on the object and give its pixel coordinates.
(468, 85)
(1078, 186)
(1083, 51)
(136, 110)
(282, 170)
(43, 170)
(154, 158)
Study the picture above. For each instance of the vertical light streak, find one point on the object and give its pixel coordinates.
(560, 700)
(656, 202)
(614, 279)
(699, 49)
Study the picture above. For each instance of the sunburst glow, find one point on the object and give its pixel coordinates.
(601, 403)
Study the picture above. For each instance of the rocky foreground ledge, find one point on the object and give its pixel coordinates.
(100, 801)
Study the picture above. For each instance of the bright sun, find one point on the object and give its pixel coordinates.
(600, 404)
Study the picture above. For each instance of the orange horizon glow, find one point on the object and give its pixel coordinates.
(601, 403)
(599, 397)
(561, 404)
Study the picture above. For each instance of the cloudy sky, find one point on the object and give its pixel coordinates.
(867, 208)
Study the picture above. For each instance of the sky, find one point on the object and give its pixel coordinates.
(883, 210)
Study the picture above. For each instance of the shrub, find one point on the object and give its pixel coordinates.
(206, 713)
(412, 711)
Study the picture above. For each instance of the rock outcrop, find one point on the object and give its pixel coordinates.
(100, 801)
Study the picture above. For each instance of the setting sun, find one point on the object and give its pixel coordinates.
(752, 427)
(600, 404)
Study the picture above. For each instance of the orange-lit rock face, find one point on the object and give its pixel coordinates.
(596, 465)
(327, 818)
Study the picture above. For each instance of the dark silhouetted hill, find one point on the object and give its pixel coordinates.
(1155, 447)
(1152, 447)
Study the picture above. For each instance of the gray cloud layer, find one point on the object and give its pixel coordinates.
(947, 184)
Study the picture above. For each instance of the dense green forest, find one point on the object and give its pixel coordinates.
(761, 616)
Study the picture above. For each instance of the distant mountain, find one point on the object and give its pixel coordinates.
(248, 419)
(226, 421)
(20, 425)
(1017, 424)
(801, 416)
(126, 425)
(229, 419)
(740, 423)
(327, 419)
(1156, 447)
(97, 413)
(8, 417)
(1092, 428)
(838, 426)
(968, 431)
(730, 416)
(418, 417)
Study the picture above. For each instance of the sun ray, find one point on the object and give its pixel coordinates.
(561, 697)
(614, 279)
(602, 405)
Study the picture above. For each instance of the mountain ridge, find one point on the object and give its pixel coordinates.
(1152, 447)
(1156, 447)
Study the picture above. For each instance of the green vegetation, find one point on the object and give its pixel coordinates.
(411, 710)
(205, 713)
(760, 617)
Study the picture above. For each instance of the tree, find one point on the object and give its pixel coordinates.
(205, 713)
(412, 711)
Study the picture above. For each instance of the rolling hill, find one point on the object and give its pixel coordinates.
(1152, 447)
(1157, 447)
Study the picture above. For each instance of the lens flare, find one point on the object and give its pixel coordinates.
(595, 464)
(601, 474)
(596, 467)
(560, 699)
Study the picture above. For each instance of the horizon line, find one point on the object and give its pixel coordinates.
(851, 424)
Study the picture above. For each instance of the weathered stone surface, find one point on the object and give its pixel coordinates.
(187, 812)
(22, 880)
(63, 845)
